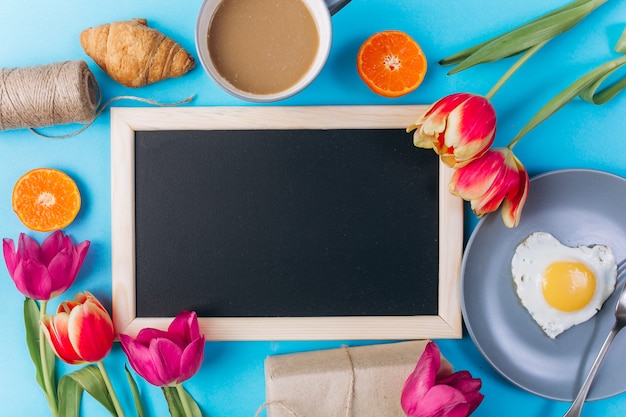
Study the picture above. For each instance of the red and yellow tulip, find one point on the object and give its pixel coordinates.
(459, 127)
(81, 331)
(497, 178)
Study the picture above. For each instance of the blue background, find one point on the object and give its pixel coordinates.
(231, 381)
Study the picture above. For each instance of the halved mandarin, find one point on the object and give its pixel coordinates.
(391, 63)
(46, 199)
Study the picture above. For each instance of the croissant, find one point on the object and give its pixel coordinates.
(134, 54)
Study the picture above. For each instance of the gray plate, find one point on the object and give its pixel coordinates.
(579, 207)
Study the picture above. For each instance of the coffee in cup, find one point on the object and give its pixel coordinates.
(263, 50)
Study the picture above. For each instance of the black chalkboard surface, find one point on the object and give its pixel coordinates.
(312, 225)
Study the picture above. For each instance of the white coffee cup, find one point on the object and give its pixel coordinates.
(319, 10)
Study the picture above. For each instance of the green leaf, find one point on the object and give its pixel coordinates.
(135, 391)
(87, 379)
(44, 375)
(195, 409)
(597, 77)
(523, 37)
(621, 43)
(70, 396)
(31, 323)
(585, 87)
(460, 56)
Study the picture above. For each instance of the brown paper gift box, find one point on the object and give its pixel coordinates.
(359, 381)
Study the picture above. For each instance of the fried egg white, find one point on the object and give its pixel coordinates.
(562, 286)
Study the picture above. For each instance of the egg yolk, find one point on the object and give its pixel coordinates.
(568, 286)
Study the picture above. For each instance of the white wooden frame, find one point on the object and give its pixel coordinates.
(124, 123)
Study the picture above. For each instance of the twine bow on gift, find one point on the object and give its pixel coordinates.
(349, 399)
(59, 93)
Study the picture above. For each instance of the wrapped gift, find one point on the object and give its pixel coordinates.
(358, 381)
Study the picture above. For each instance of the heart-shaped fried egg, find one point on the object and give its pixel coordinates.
(562, 286)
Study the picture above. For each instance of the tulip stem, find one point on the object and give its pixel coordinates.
(45, 370)
(107, 382)
(529, 53)
(183, 399)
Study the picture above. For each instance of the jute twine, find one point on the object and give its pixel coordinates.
(53, 94)
(349, 399)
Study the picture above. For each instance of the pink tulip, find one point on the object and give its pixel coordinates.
(81, 331)
(434, 391)
(42, 273)
(459, 127)
(167, 358)
(498, 177)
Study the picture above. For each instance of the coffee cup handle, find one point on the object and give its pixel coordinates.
(335, 5)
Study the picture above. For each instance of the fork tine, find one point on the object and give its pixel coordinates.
(621, 270)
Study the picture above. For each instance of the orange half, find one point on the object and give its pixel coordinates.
(46, 199)
(391, 63)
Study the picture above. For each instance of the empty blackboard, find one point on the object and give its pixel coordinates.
(282, 223)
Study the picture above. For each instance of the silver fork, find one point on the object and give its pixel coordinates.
(620, 321)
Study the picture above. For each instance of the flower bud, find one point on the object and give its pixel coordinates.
(496, 178)
(42, 273)
(167, 358)
(432, 390)
(81, 331)
(459, 127)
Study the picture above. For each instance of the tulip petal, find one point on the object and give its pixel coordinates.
(185, 325)
(442, 400)
(476, 178)
(466, 384)
(166, 356)
(145, 336)
(56, 330)
(476, 124)
(27, 247)
(80, 252)
(32, 279)
(59, 269)
(422, 379)
(91, 331)
(512, 207)
(191, 360)
(140, 360)
(10, 257)
(51, 246)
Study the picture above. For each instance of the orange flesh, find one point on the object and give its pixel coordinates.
(46, 199)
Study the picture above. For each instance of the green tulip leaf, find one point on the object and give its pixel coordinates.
(70, 397)
(460, 56)
(621, 43)
(44, 375)
(588, 92)
(175, 405)
(523, 37)
(135, 391)
(195, 409)
(87, 379)
(585, 87)
(31, 323)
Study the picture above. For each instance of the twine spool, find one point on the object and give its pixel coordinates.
(47, 95)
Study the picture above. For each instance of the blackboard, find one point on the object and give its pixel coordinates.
(268, 219)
